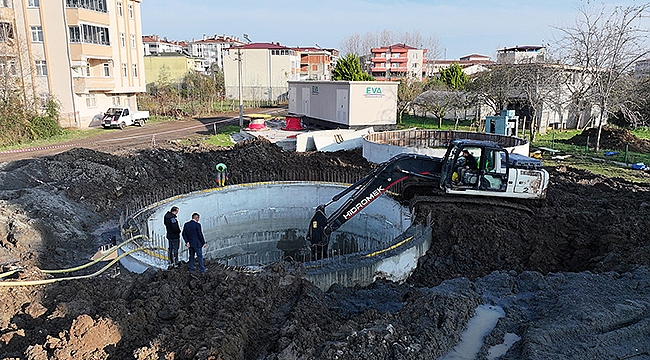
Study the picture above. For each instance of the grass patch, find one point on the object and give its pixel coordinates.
(412, 121)
(222, 138)
(65, 136)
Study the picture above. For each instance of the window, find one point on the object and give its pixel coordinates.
(116, 100)
(125, 70)
(132, 41)
(32, 3)
(41, 68)
(43, 99)
(94, 35)
(5, 3)
(75, 34)
(87, 67)
(7, 67)
(6, 31)
(135, 70)
(91, 101)
(37, 33)
(122, 40)
(119, 8)
(130, 11)
(95, 5)
(107, 69)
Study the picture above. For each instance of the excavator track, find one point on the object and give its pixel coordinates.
(450, 199)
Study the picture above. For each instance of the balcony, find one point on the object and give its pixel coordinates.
(83, 51)
(399, 59)
(76, 15)
(379, 59)
(398, 69)
(83, 85)
(378, 69)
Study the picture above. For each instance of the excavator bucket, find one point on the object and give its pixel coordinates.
(317, 234)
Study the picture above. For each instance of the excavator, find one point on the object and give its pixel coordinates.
(469, 167)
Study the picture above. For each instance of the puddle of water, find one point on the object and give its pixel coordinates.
(478, 327)
(497, 351)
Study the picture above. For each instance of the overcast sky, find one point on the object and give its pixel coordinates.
(463, 27)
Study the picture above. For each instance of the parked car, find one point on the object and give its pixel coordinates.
(123, 116)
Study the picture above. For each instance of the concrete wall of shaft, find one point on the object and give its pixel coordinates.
(255, 224)
(381, 146)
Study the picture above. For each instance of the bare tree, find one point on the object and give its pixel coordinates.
(605, 43)
(493, 87)
(536, 84)
(407, 91)
(361, 45)
(352, 44)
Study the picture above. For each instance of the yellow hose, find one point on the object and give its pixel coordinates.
(5, 274)
(60, 271)
(50, 281)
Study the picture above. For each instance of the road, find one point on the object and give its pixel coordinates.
(138, 137)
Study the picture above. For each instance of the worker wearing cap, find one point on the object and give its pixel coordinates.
(222, 174)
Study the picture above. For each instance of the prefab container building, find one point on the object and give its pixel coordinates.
(345, 104)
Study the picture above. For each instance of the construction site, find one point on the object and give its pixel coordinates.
(556, 269)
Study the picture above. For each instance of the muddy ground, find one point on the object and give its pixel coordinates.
(572, 274)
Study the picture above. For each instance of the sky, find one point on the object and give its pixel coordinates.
(462, 27)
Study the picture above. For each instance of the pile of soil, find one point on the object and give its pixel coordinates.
(611, 139)
(572, 270)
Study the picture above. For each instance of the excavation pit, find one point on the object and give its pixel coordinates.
(251, 225)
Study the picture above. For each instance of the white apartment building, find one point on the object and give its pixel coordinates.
(86, 54)
(471, 64)
(265, 70)
(521, 54)
(211, 50)
(153, 44)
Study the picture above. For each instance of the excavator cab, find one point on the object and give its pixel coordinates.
(492, 172)
(480, 166)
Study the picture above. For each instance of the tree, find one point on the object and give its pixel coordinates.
(493, 87)
(435, 102)
(536, 84)
(349, 68)
(605, 43)
(361, 45)
(454, 77)
(407, 91)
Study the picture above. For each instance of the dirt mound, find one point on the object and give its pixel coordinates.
(57, 210)
(611, 139)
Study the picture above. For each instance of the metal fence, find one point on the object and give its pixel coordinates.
(135, 216)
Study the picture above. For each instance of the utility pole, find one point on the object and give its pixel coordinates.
(241, 103)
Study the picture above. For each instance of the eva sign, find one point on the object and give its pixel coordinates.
(373, 91)
(314, 89)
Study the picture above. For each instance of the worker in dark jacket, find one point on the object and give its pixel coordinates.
(195, 242)
(173, 230)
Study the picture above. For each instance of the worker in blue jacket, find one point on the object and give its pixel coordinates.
(195, 242)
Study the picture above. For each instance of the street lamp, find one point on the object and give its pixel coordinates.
(241, 102)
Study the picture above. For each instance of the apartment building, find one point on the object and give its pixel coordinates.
(397, 61)
(316, 63)
(642, 69)
(471, 64)
(521, 54)
(211, 50)
(265, 70)
(86, 54)
(154, 44)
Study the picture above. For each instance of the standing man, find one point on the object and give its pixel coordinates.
(222, 174)
(195, 242)
(173, 235)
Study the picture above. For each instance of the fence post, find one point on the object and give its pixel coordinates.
(626, 149)
(587, 146)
